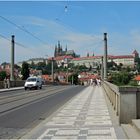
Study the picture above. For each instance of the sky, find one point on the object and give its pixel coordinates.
(79, 25)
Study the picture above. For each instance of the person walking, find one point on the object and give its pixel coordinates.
(5, 83)
(8, 83)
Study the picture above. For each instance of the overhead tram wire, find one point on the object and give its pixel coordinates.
(4, 37)
(17, 43)
(23, 29)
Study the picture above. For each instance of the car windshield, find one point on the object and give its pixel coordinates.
(31, 79)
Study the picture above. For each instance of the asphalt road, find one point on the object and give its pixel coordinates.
(17, 122)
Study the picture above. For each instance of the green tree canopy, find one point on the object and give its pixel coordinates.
(2, 75)
(25, 71)
(121, 78)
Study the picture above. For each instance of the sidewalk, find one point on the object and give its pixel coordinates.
(86, 116)
(11, 89)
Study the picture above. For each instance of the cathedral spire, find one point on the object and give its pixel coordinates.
(66, 49)
(55, 51)
(88, 54)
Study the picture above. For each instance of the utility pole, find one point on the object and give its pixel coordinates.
(102, 68)
(52, 71)
(67, 75)
(12, 58)
(72, 80)
(105, 56)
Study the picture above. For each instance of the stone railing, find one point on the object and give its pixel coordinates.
(13, 83)
(125, 100)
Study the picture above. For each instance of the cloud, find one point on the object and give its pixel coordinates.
(54, 30)
(123, 44)
(5, 50)
(51, 31)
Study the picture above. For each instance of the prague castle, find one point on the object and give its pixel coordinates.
(60, 52)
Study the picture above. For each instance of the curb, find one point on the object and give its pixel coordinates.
(11, 89)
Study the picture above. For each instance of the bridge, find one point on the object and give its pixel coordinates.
(96, 112)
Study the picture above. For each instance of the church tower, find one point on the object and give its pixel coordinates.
(135, 54)
(66, 49)
(55, 51)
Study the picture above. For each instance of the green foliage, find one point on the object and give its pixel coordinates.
(70, 65)
(17, 67)
(25, 71)
(73, 77)
(121, 78)
(32, 65)
(133, 83)
(137, 60)
(2, 75)
(41, 64)
(138, 67)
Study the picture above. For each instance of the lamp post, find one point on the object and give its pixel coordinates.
(105, 56)
(67, 75)
(102, 68)
(52, 70)
(72, 80)
(12, 57)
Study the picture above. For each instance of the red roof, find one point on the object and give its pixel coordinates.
(61, 57)
(90, 57)
(137, 78)
(46, 77)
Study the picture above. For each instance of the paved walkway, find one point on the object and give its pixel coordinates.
(11, 89)
(86, 116)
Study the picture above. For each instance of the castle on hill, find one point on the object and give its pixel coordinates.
(60, 52)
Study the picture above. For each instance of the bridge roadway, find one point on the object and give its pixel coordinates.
(87, 115)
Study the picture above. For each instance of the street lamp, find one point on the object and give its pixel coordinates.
(12, 58)
(68, 74)
(52, 70)
(105, 56)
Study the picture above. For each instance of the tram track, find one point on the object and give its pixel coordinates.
(29, 98)
(25, 94)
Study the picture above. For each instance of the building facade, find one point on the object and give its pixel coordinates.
(91, 61)
(94, 61)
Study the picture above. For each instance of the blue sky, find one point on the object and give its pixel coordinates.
(78, 24)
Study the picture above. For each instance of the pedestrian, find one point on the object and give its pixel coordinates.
(95, 82)
(99, 81)
(91, 82)
(5, 83)
(8, 83)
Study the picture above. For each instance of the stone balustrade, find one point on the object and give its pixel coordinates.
(13, 83)
(125, 101)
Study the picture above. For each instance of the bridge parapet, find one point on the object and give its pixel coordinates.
(13, 83)
(125, 101)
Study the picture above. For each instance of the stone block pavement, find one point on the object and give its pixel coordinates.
(85, 116)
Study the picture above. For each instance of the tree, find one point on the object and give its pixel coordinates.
(41, 64)
(25, 71)
(121, 78)
(74, 77)
(2, 75)
(48, 68)
(137, 61)
(32, 65)
(16, 66)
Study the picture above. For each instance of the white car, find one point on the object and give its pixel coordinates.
(33, 82)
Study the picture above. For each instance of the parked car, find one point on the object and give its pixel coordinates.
(33, 82)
